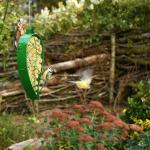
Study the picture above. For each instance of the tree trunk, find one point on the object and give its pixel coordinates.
(81, 62)
(112, 68)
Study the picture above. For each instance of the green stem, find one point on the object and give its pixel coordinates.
(6, 10)
(5, 14)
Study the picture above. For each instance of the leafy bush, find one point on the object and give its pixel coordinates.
(145, 124)
(141, 142)
(138, 104)
(98, 15)
(84, 127)
(9, 12)
(59, 19)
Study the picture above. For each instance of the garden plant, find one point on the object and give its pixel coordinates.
(84, 127)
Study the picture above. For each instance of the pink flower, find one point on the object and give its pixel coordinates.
(59, 115)
(119, 123)
(56, 113)
(85, 121)
(69, 112)
(124, 133)
(73, 124)
(86, 138)
(80, 108)
(96, 104)
(135, 127)
(79, 129)
(105, 125)
(109, 117)
(63, 117)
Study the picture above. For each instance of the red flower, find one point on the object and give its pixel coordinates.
(86, 138)
(109, 117)
(69, 112)
(79, 129)
(124, 133)
(105, 125)
(85, 121)
(63, 117)
(57, 113)
(96, 104)
(73, 124)
(101, 146)
(80, 108)
(135, 127)
(125, 126)
(119, 123)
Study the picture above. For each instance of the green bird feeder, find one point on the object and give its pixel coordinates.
(30, 59)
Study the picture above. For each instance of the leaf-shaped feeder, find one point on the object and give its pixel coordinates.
(30, 59)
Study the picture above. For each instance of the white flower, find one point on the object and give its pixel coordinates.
(56, 10)
(91, 7)
(52, 16)
(45, 13)
(74, 5)
(71, 3)
(61, 6)
(96, 2)
(74, 18)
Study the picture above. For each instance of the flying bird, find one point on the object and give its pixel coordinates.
(85, 78)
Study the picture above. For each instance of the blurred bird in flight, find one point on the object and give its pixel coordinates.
(85, 79)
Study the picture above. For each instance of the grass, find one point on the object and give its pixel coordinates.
(13, 129)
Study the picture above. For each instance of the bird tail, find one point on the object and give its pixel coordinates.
(72, 82)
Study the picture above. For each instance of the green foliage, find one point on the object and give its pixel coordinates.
(98, 15)
(13, 130)
(141, 142)
(58, 19)
(145, 124)
(9, 13)
(138, 104)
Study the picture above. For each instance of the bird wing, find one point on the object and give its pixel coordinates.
(85, 74)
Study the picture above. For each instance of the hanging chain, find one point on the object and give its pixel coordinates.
(29, 12)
